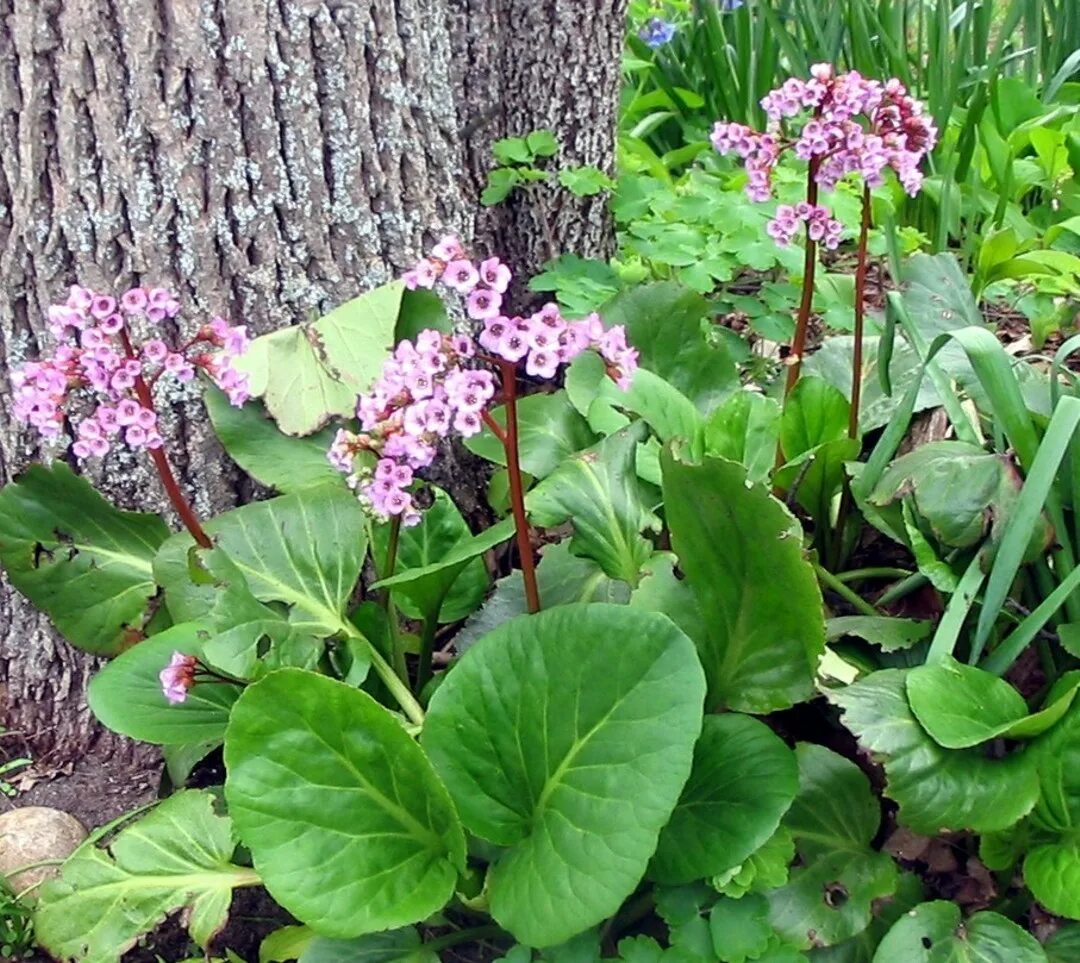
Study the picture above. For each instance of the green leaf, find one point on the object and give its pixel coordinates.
(599, 491)
(861, 947)
(961, 491)
(666, 410)
(742, 782)
(285, 944)
(835, 809)
(512, 150)
(309, 373)
(126, 694)
(397, 946)
(300, 943)
(938, 789)
(830, 897)
(740, 928)
(819, 474)
(176, 857)
(182, 758)
(1052, 867)
(744, 428)
(248, 637)
(83, 562)
(561, 579)
(1052, 873)
(664, 322)
(254, 442)
(889, 634)
(569, 748)
(421, 310)
(961, 706)
(427, 585)
(742, 554)
(585, 181)
(831, 900)
(937, 295)
(305, 550)
(814, 413)
(766, 868)
(550, 430)
(1057, 756)
(501, 182)
(934, 933)
(1064, 945)
(349, 827)
(441, 529)
(542, 143)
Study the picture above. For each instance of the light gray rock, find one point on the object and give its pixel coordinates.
(31, 834)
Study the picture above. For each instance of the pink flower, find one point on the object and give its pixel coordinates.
(484, 303)
(178, 677)
(448, 249)
(495, 274)
(461, 276)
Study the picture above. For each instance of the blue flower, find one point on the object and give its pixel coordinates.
(729, 6)
(657, 32)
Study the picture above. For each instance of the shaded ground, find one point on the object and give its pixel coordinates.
(95, 791)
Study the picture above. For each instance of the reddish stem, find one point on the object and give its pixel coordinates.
(860, 312)
(802, 319)
(508, 374)
(494, 427)
(161, 461)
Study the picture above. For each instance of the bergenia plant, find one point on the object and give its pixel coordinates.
(441, 385)
(102, 381)
(841, 125)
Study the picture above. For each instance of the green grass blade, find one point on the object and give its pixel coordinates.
(1037, 490)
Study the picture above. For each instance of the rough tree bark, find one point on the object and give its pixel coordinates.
(268, 159)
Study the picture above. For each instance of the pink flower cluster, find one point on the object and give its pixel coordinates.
(433, 388)
(95, 356)
(820, 225)
(425, 393)
(544, 340)
(854, 126)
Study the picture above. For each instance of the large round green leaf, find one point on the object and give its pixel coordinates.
(815, 413)
(567, 737)
(960, 705)
(305, 550)
(665, 323)
(308, 373)
(743, 780)
(348, 825)
(830, 896)
(935, 933)
(938, 789)
(1052, 873)
(742, 554)
(76, 557)
(127, 696)
(175, 857)
(744, 428)
(598, 490)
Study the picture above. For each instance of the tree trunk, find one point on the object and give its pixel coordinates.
(268, 159)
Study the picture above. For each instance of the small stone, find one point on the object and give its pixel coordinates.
(32, 834)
